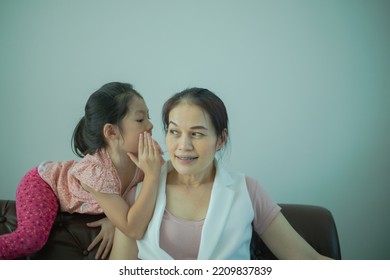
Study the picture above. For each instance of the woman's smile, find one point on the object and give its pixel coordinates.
(186, 159)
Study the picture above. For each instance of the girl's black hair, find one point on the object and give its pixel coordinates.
(109, 104)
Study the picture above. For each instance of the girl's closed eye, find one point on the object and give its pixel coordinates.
(141, 117)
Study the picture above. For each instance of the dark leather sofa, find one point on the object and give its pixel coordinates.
(70, 236)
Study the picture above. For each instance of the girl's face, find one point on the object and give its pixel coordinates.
(136, 122)
(191, 140)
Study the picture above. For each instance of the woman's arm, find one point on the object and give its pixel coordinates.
(285, 243)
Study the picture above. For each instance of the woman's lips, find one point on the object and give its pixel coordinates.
(186, 159)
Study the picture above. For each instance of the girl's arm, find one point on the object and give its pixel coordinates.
(285, 243)
(134, 220)
(124, 248)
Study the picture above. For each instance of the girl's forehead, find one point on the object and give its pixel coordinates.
(137, 104)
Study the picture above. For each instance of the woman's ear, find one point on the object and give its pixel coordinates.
(110, 131)
(222, 140)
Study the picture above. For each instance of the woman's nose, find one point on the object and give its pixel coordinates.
(185, 143)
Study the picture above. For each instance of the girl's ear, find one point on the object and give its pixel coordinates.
(110, 131)
(222, 140)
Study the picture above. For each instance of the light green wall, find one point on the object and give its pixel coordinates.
(306, 83)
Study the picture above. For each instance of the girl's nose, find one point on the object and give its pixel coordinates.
(150, 126)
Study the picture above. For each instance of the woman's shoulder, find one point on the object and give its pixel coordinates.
(255, 189)
(251, 182)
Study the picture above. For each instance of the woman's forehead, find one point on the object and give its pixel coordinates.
(189, 115)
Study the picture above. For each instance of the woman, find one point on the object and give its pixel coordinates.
(202, 210)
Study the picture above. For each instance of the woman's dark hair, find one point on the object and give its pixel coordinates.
(207, 101)
(109, 104)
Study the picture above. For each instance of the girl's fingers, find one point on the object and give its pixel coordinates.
(140, 144)
(157, 147)
(148, 146)
(146, 143)
(149, 150)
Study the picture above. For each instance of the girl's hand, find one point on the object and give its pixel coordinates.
(106, 236)
(149, 158)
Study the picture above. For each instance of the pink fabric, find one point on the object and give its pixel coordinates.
(180, 238)
(96, 171)
(264, 207)
(36, 210)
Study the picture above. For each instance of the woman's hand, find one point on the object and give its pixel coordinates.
(150, 157)
(106, 236)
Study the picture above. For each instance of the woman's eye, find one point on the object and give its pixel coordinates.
(140, 120)
(173, 132)
(197, 134)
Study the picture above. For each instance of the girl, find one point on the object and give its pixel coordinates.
(114, 140)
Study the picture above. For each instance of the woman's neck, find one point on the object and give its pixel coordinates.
(192, 180)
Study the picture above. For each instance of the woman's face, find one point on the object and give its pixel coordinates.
(191, 140)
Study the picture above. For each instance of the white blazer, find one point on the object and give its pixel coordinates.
(227, 228)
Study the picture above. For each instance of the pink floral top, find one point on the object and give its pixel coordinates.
(96, 171)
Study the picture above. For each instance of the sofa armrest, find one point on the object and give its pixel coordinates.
(314, 223)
